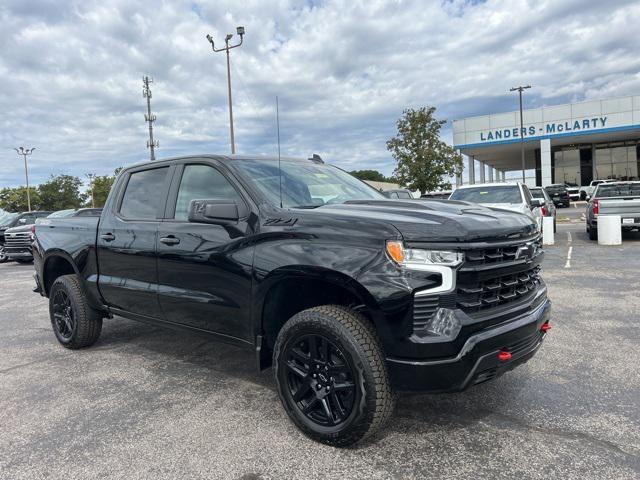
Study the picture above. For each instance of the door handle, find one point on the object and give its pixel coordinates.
(108, 237)
(170, 240)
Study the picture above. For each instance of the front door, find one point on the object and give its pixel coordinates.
(204, 270)
(126, 243)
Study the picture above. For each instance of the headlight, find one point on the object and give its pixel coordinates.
(413, 256)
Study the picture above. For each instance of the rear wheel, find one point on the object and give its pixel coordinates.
(593, 233)
(75, 324)
(331, 375)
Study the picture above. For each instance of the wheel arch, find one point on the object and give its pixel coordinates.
(288, 291)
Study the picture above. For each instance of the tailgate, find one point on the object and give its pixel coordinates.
(625, 207)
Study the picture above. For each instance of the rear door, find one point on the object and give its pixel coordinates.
(126, 243)
(204, 270)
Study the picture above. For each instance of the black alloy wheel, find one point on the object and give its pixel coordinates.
(64, 320)
(3, 255)
(320, 380)
(331, 375)
(75, 324)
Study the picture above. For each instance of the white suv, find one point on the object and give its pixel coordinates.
(508, 196)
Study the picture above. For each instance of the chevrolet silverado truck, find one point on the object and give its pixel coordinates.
(614, 198)
(348, 295)
(12, 220)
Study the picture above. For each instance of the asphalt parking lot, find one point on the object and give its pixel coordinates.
(150, 403)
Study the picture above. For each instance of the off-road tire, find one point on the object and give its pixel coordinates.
(357, 340)
(88, 322)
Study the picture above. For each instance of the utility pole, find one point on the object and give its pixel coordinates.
(520, 89)
(149, 117)
(91, 176)
(226, 48)
(24, 152)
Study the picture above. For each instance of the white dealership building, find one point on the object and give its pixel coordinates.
(572, 143)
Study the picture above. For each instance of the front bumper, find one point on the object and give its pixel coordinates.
(477, 361)
(14, 253)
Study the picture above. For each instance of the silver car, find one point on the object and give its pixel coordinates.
(549, 208)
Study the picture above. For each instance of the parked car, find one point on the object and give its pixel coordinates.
(10, 220)
(443, 194)
(76, 212)
(587, 191)
(397, 193)
(549, 208)
(614, 198)
(559, 194)
(510, 196)
(348, 299)
(574, 191)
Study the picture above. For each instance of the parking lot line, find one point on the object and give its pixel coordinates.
(568, 264)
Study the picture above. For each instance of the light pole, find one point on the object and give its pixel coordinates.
(520, 89)
(24, 152)
(91, 176)
(226, 48)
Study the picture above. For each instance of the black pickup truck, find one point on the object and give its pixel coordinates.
(348, 295)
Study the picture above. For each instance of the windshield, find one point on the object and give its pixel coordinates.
(537, 193)
(62, 213)
(621, 190)
(556, 189)
(506, 194)
(305, 184)
(6, 218)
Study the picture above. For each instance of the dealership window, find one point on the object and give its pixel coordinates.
(567, 166)
(618, 162)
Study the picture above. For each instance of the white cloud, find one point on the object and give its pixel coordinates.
(70, 73)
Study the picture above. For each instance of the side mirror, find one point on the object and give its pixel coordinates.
(215, 211)
(537, 202)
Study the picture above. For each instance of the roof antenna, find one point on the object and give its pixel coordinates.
(279, 165)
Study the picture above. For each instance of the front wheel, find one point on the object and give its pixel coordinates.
(331, 375)
(3, 255)
(75, 324)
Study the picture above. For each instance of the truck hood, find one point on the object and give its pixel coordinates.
(440, 220)
(21, 228)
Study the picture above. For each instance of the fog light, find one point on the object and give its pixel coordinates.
(444, 324)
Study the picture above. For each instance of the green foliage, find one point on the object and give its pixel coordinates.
(423, 160)
(101, 186)
(15, 199)
(61, 192)
(373, 175)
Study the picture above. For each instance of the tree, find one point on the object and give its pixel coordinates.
(15, 199)
(373, 175)
(101, 186)
(424, 161)
(61, 192)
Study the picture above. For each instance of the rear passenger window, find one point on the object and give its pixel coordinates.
(143, 194)
(200, 182)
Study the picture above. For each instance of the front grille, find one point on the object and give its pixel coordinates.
(495, 291)
(18, 241)
(499, 256)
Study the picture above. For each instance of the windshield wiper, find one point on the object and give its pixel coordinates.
(306, 206)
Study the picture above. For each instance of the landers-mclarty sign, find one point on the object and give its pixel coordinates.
(551, 128)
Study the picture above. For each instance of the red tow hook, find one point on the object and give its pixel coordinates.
(545, 327)
(504, 355)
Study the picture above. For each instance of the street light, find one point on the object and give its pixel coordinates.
(520, 89)
(24, 152)
(226, 48)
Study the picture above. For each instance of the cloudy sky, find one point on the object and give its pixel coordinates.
(70, 73)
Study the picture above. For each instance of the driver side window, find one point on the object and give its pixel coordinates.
(201, 182)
